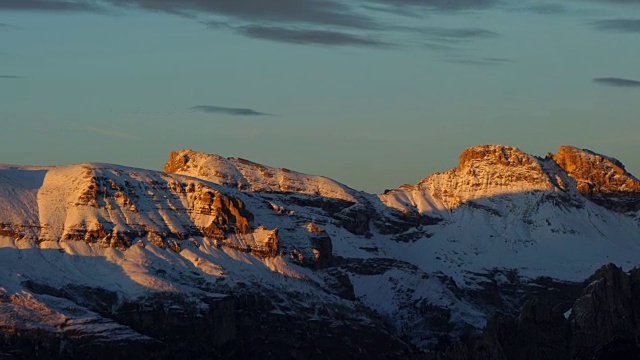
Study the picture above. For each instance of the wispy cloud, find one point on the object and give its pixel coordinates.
(9, 77)
(457, 33)
(315, 22)
(481, 61)
(445, 5)
(107, 132)
(618, 25)
(452, 44)
(617, 82)
(547, 9)
(50, 5)
(302, 36)
(322, 12)
(211, 109)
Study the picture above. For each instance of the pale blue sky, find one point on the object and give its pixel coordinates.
(372, 98)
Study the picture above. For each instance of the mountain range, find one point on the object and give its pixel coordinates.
(225, 258)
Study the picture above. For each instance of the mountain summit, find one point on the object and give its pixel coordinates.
(250, 176)
(600, 178)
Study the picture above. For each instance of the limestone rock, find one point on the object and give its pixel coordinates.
(600, 178)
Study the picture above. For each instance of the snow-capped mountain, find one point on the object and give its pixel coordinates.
(503, 208)
(109, 258)
(247, 175)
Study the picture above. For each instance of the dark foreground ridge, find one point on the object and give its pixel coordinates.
(603, 323)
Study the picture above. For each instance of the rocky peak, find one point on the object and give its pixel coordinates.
(177, 161)
(495, 155)
(250, 176)
(498, 168)
(600, 178)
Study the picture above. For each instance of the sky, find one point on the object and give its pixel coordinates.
(372, 93)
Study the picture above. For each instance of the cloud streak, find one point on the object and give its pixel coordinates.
(458, 33)
(323, 12)
(211, 109)
(111, 133)
(314, 22)
(9, 77)
(481, 62)
(618, 25)
(547, 9)
(302, 36)
(49, 5)
(447, 5)
(617, 82)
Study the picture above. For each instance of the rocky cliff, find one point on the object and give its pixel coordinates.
(250, 176)
(601, 324)
(600, 178)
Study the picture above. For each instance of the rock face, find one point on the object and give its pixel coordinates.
(247, 175)
(322, 246)
(483, 172)
(604, 318)
(600, 178)
(602, 324)
(489, 170)
(115, 206)
(495, 155)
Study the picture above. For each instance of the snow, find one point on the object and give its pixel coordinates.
(255, 177)
(494, 216)
(567, 314)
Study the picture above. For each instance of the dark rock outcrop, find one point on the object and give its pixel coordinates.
(603, 324)
(603, 319)
(321, 245)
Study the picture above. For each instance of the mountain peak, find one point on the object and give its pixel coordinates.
(495, 155)
(247, 175)
(600, 178)
(575, 160)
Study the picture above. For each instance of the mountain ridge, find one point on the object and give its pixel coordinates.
(418, 262)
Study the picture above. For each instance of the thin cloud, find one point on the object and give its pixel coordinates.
(481, 62)
(322, 12)
(319, 12)
(316, 22)
(617, 82)
(458, 33)
(49, 5)
(547, 9)
(445, 5)
(211, 109)
(453, 42)
(618, 25)
(9, 77)
(112, 133)
(300, 36)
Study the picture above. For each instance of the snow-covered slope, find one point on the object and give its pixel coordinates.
(419, 261)
(247, 175)
(504, 208)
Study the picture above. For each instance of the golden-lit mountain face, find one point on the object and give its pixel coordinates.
(273, 248)
(600, 178)
(487, 171)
